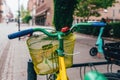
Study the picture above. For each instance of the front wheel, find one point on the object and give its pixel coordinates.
(93, 51)
(31, 75)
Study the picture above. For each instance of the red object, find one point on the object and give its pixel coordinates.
(65, 29)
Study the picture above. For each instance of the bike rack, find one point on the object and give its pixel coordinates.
(92, 66)
(91, 63)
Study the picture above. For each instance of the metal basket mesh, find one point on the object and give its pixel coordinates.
(43, 52)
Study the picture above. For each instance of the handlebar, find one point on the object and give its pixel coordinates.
(98, 24)
(93, 24)
(20, 33)
(30, 31)
(58, 34)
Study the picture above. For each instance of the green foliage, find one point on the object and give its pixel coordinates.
(26, 19)
(63, 13)
(86, 29)
(23, 12)
(87, 8)
(106, 33)
(25, 15)
(116, 29)
(95, 31)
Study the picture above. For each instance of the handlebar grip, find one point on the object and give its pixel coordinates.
(20, 33)
(97, 24)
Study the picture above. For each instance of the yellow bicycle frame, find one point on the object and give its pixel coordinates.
(62, 75)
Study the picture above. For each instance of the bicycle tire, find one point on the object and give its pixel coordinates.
(112, 76)
(93, 51)
(31, 75)
(51, 77)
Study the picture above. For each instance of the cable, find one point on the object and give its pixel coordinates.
(111, 68)
(81, 73)
(108, 68)
(84, 70)
(91, 65)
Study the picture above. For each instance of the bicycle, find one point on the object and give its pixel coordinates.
(108, 50)
(58, 56)
(99, 44)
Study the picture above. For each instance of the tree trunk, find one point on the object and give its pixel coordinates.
(63, 13)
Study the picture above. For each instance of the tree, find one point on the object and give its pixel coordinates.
(87, 8)
(63, 13)
(27, 17)
(23, 11)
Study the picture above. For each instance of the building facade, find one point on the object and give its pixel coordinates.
(42, 11)
(1, 11)
(110, 14)
(32, 10)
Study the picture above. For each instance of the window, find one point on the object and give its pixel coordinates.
(42, 1)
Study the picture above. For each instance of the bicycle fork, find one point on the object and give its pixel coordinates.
(62, 73)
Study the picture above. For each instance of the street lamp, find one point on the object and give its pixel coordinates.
(19, 16)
